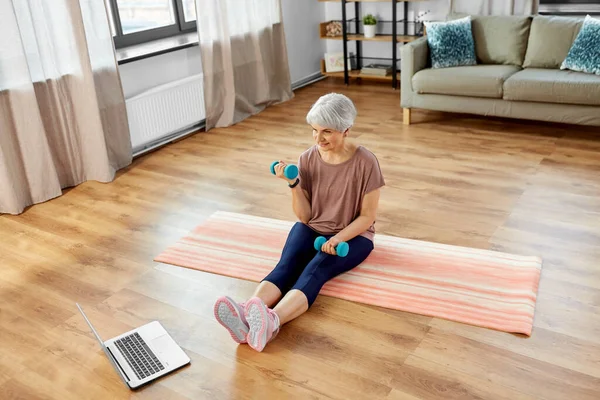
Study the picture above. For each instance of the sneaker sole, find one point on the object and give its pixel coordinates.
(227, 315)
(256, 315)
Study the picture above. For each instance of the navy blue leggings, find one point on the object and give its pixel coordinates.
(301, 267)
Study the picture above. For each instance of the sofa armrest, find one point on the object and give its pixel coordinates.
(414, 57)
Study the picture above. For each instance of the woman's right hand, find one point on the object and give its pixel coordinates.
(279, 169)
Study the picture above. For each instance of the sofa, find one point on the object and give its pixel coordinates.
(517, 73)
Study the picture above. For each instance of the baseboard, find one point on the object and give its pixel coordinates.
(169, 139)
(312, 78)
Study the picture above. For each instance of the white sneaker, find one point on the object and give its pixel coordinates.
(263, 323)
(231, 315)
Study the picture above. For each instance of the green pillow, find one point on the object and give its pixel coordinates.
(584, 55)
(451, 43)
(499, 39)
(550, 39)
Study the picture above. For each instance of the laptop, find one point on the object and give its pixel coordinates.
(142, 354)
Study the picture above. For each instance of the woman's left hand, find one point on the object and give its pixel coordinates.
(330, 245)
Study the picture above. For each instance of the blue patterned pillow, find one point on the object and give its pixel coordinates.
(451, 43)
(584, 55)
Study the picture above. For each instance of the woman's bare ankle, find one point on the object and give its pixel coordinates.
(293, 304)
(268, 293)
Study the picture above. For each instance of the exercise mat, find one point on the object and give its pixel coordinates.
(474, 286)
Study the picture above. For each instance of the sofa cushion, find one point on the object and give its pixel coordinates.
(584, 55)
(553, 86)
(473, 81)
(499, 39)
(451, 43)
(550, 39)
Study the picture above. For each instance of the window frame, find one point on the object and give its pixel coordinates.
(180, 27)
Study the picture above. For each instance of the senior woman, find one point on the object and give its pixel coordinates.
(336, 195)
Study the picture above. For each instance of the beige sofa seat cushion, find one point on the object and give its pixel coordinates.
(499, 39)
(550, 39)
(553, 86)
(473, 81)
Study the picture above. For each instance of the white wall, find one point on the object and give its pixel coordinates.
(333, 11)
(139, 76)
(301, 20)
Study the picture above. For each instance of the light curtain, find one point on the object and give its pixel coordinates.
(494, 7)
(244, 58)
(62, 111)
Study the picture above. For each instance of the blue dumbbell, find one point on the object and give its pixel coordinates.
(290, 171)
(341, 249)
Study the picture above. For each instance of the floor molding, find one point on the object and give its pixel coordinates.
(310, 79)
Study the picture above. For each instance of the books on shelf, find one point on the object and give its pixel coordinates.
(376, 69)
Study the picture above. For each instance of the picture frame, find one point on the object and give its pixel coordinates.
(334, 62)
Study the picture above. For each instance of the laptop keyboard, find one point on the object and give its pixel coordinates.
(139, 356)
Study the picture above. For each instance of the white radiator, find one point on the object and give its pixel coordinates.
(165, 110)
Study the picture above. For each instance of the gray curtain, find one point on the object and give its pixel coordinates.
(63, 119)
(494, 7)
(244, 58)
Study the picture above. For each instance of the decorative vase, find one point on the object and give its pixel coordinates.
(370, 31)
(419, 27)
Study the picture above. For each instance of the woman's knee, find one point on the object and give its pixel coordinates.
(302, 229)
(325, 267)
(295, 257)
(299, 243)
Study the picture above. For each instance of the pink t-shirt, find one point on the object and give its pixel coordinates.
(336, 191)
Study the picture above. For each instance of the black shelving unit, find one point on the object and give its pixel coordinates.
(359, 39)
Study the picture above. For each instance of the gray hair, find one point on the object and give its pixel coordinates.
(333, 111)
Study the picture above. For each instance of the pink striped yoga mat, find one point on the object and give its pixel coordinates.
(478, 287)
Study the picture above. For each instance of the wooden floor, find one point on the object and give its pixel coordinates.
(515, 186)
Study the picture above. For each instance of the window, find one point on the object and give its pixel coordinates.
(139, 21)
(574, 7)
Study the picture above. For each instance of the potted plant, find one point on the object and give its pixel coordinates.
(370, 25)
